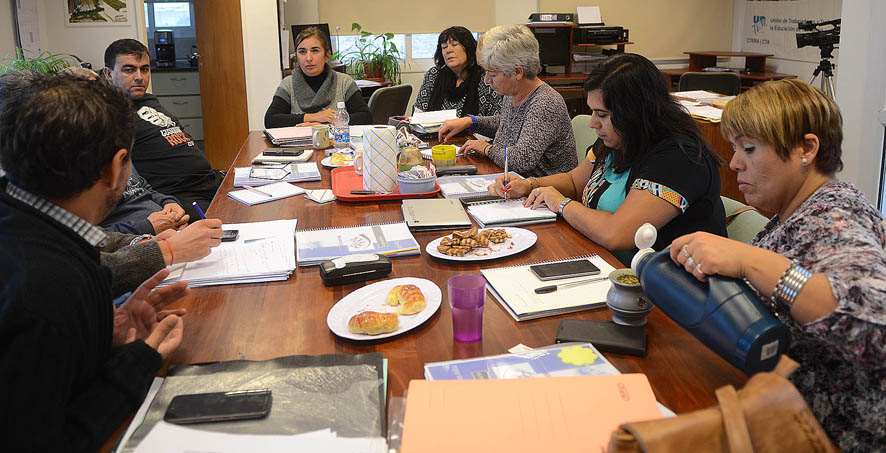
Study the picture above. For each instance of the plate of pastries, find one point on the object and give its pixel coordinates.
(336, 160)
(481, 244)
(384, 309)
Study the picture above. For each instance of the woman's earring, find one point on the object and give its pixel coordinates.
(804, 161)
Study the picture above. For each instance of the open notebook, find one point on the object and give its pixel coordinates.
(259, 176)
(514, 288)
(467, 186)
(509, 213)
(391, 239)
(263, 194)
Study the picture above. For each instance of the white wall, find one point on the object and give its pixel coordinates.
(86, 42)
(261, 52)
(7, 31)
(861, 93)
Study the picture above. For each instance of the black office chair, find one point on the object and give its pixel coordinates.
(728, 83)
(389, 101)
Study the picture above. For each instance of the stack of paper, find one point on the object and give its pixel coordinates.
(263, 252)
(392, 239)
(294, 135)
(556, 360)
(429, 122)
(557, 414)
(296, 172)
(263, 194)
(509, 213)
(166, 437)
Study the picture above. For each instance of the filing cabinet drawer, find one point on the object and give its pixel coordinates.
(193, 126)
(174, 83)
(182, 106)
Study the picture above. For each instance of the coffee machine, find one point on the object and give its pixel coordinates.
(164, 44)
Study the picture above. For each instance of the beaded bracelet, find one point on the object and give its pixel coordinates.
(486, 149)
(790, 284)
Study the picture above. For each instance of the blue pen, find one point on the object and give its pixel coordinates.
(199, 211)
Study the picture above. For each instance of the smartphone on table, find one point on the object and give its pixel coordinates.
(219, 406)
(564, 269)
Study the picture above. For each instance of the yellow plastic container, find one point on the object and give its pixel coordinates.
(443, 155)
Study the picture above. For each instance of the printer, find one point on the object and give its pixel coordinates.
(598, 34)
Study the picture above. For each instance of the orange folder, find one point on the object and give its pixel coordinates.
(562, 414)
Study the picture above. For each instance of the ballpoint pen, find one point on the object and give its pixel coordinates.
(506, 173)
(552, 288)
(199, 211)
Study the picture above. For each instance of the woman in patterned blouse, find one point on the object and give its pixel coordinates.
(534, 124)
(819, 263)
(456, 82)
(652, 165)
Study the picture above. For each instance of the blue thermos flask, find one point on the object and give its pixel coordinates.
(725, 314)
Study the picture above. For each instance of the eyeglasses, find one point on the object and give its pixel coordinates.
(273, 173)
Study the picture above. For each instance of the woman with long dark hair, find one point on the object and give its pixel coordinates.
(456, 80)
(652, 165)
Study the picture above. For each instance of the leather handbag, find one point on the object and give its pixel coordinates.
(767, 415)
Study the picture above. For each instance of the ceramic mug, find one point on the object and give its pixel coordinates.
(321, 136)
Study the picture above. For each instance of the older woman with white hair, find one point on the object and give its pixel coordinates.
(534, 124)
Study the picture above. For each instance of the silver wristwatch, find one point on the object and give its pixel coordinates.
(140, 238)
(563, 204)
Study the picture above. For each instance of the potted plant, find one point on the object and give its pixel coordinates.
(45, 62)
(373, 57)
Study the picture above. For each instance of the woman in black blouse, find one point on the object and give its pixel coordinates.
(456, 80)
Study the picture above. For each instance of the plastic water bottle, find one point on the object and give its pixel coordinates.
(340, 128)
(725, 314)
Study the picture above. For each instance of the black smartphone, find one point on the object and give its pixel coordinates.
(565, 269)
(218, 407)
(230, 235)
(283, 152)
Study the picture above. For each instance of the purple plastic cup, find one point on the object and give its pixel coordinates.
(467, 293)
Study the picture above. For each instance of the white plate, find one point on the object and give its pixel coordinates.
(372, 298)
(520, 240)
(327, 162)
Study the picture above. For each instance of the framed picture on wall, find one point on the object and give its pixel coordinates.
(92, 13)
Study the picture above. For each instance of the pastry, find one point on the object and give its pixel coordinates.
(463, 242)
(409, 297)
(373, 323)
(340, 159)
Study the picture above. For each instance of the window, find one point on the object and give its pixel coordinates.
(172, 14)
(425, 44)
(346, 43)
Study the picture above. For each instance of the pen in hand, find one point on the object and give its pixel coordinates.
(507, 186)
(199, 211)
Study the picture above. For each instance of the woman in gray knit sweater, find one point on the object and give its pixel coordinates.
(534, 124)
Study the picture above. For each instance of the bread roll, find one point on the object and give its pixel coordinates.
(373, 323)
(411, 299)
(393, 298)
(340, 159)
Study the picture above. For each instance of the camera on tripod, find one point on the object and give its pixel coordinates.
(817, 36)
(824, 39)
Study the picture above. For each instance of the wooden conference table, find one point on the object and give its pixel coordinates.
(268, 320)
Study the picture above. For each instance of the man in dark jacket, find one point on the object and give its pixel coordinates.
(71, 366)
(143, 210)
(163, 152)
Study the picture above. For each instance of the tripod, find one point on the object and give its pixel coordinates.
(825, 69)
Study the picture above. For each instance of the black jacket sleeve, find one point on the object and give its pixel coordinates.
(358, 110)
(39, 370)
(278, 114)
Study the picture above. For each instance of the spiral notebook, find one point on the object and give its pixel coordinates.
(509, 213)
(467, 186)
(514, 289)
(392, 239)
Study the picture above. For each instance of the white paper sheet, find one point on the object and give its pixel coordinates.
(589, 15)
(437, 116)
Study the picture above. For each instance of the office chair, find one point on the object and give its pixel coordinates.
(584, 135)
(743, 222)
(389, 101)
(728, 83)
